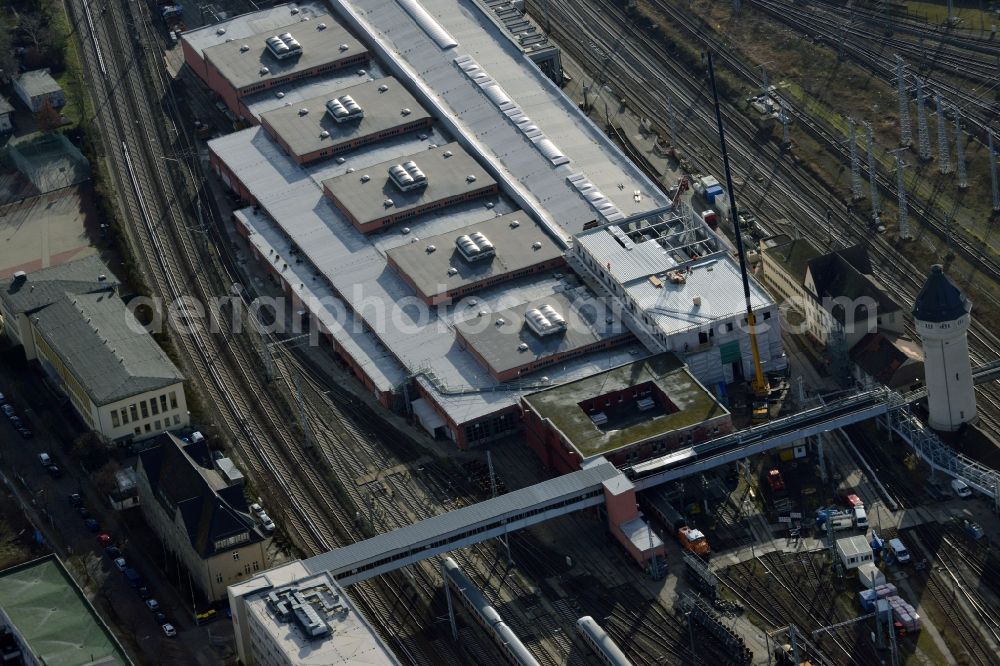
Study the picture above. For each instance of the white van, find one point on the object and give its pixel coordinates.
(860, 517)
(961, 488)
(899, 550)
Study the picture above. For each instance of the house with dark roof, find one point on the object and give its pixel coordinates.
(70, 319)
(849, 297)
(784, 261)
(893, 361)
(200, 518)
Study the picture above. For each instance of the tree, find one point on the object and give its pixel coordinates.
(8, 63)
(48, 118)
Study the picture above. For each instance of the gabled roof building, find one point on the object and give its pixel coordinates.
(198, 516)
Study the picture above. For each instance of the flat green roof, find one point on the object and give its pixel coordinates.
(560, 404)
(54, 618)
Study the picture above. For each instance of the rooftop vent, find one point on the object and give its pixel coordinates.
(220, 31)
(470, 178)
(522, 347)
(544, 320)
(321, 26)
(475, 246)
(303, 111)
(344, 109)
(430, 248)
(500, 321)
(365, 178)
(405, 112)
(295, 10)
(350, 169)
(696, 300)
(452, 270)
(490, 205)
(447, 153)
(324, 135)
(388, 203)
(407, 176)
(515, 224)
(481, 313)
(344, 47)
(264, 70)
(341, 160)
(383, 88)
(473, 302)
(279, 95)
(362, 72)
(537, 245)
(404, 230)
(283, 46)
(244, 48)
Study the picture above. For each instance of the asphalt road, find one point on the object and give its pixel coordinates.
(46, 501)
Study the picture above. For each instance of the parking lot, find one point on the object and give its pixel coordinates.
(76, 526)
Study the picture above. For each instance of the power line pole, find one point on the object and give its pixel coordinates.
(872, 177)
(923, 135)
(904, 218)
(944, 159)
(857, 187)
(786, 140)
(300, 403)
(905, 134)
(963, 177)
(993, 173)
(764, 86)
(672, 120)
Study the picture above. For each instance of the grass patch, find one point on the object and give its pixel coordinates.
(79, 107)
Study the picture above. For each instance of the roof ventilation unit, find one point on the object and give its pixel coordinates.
(279, 95)
(220, 31)
(470, 178)
(344, 108)
(430, 248)
(344, 47)
(244, 48)
(264, 70)
(515, 224)
(324, 135)
(544, 320)
(303, 111)
(407, 176)
(283, 46)
(321, 26)
(475, 246)
(405, 112)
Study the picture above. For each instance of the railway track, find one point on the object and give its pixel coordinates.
(609, 46)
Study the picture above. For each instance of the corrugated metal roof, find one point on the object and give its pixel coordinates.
(457, 521)
(718, 283)
(624, 265)
(488, 126)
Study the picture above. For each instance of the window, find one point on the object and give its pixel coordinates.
(144, 409)
(124, 415)
(236, 555)
(134, 411)
(256, 566)
(246, 569)
(152, 406)
(767, 315)
(137, 431)
(177, 420)
(146, 428)
(114, 418)
(729, 327)
(173, 400)
(163, 403)
(218, 578)
(156, 424)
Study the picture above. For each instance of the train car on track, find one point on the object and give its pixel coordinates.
(601, 643)
(486, 616)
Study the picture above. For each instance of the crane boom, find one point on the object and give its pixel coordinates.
(759, 385)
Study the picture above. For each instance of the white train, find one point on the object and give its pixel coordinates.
(601, 643)
(487, 617)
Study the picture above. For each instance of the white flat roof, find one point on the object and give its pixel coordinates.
(504, 106)
(357, 267)
(352, 640)
(716, 280)
(247, 25)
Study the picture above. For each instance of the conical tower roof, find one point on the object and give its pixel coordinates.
(939, 300)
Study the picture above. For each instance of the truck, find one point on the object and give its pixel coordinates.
(839, 520)
(693, 540)
(168, 11)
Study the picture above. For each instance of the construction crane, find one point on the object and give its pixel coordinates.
(682, 187)
(758, 385)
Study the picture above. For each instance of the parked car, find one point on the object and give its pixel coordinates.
(92, 525)
(3, 399)
(25, 433)
(133, 578)
(160, 617)
(83, 512)
(961, 488)
(169, 630)
(143, 592)
(8, 410)
(104, 539)
(153, 605)
(76, 500)
(120, 564)
(16, 422)
(113, 552)
(899, 550)
(54, 471)
(257, 509)
(44, 459)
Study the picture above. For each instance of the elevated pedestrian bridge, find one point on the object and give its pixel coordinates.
(589, 487)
